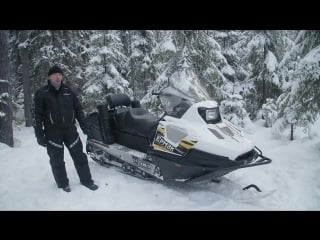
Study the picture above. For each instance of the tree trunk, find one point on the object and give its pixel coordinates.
(210, 90)
(291, 132)
(25, 61)
(264, 90)
(126, 41)
(6, 131)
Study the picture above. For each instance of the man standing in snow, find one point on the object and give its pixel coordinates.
(56, 108)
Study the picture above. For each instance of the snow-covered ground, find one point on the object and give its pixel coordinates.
(26, 181)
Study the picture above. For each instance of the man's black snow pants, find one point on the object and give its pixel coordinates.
(70, 137)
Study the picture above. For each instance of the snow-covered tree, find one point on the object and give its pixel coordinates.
(300, 102)
(232, 45)
(234, 49)
(103, 74)
(269, 111)
(233, 110)
(141, 66)
(262, 62)
(6, 131)
(181, 75)
(16, 76)
(206, 58)
(304, 42)
(254, 64)
(27, 84)
(307, 95)
(63, 47)
(210, 64)
(164, 50)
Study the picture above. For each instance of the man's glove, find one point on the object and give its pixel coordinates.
(85, 130)
(42, 141)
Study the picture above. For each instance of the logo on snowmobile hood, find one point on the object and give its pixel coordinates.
(162, 145)
(161, 141)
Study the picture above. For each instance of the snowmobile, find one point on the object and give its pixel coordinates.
(190, 142)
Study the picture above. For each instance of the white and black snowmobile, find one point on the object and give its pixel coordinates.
(189, 143)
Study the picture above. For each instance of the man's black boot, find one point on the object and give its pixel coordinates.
(91, 186)
(67, 188)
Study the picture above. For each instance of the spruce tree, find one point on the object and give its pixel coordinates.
(104, 72)
(299, 104)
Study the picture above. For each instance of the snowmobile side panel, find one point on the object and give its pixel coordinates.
(132, 141)
(165, 155)
(212, 175)
(197, 157)
(173, 171)
(123, 157)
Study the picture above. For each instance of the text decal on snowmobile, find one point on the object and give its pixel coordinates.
(138, 162)
(162, 142)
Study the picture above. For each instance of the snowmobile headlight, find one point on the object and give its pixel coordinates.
(210, 115)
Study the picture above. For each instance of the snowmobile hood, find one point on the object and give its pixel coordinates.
(221, 139)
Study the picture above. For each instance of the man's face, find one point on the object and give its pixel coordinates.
(56, 78)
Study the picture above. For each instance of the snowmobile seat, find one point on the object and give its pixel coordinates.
(139, 121)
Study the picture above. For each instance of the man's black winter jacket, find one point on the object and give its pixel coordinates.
(56, 108)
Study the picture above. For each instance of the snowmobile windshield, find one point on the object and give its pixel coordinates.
(176, 103)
